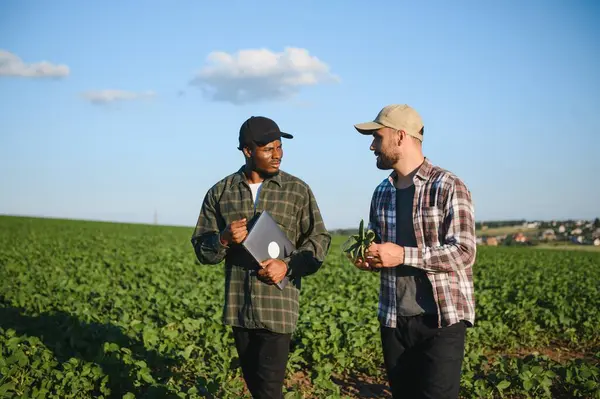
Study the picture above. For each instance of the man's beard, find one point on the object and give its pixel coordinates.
(385, 162)
(265, 174)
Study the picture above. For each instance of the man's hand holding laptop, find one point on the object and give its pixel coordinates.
(272, 271)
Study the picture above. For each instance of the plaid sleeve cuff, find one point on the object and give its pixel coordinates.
(217, 245)
(287, 260)
(413, 257)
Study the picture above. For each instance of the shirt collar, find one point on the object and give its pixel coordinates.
(240, 177)
(423, 172)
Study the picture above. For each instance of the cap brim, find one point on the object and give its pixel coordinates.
(272, 137)
(367, 127)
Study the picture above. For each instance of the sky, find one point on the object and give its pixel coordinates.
(117, 110)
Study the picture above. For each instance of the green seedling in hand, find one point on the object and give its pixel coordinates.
(361, 242)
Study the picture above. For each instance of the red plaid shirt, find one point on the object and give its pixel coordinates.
(444, 223)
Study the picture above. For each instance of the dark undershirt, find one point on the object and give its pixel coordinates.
(414, 294)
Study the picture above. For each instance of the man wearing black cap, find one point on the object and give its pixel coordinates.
(263, 317)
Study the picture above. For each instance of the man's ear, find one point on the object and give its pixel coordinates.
(401, 135)
(246, 151)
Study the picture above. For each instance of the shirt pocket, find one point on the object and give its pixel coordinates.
(433, 219)
(288, 221)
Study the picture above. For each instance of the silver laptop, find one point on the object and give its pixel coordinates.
(266, 240)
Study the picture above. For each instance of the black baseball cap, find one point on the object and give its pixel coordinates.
(260, 130)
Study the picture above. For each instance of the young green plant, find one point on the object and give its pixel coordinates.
(361, 242)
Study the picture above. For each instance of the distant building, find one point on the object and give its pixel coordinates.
(492, 241)
(576, 232)
(562, 228)
(597, 242)
(519, 237)
(548, 234)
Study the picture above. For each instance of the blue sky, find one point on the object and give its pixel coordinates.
(509, 92)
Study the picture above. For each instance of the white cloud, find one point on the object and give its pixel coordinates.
(260, 74)
(12, 65)
(111, 95)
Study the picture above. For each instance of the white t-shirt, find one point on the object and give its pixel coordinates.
(255, 188)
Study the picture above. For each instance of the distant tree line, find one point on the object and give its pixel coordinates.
(478, 225)
(344, 232)
(499, 223)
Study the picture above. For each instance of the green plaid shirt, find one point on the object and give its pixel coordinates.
(249, 302)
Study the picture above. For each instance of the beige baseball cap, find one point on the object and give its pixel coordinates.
(395, 116)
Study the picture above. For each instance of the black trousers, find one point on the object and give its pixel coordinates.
(263, 356)
(421, 360)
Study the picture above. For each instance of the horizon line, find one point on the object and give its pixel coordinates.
(31, 216)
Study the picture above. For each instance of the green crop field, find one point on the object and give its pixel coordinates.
(99, 310)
